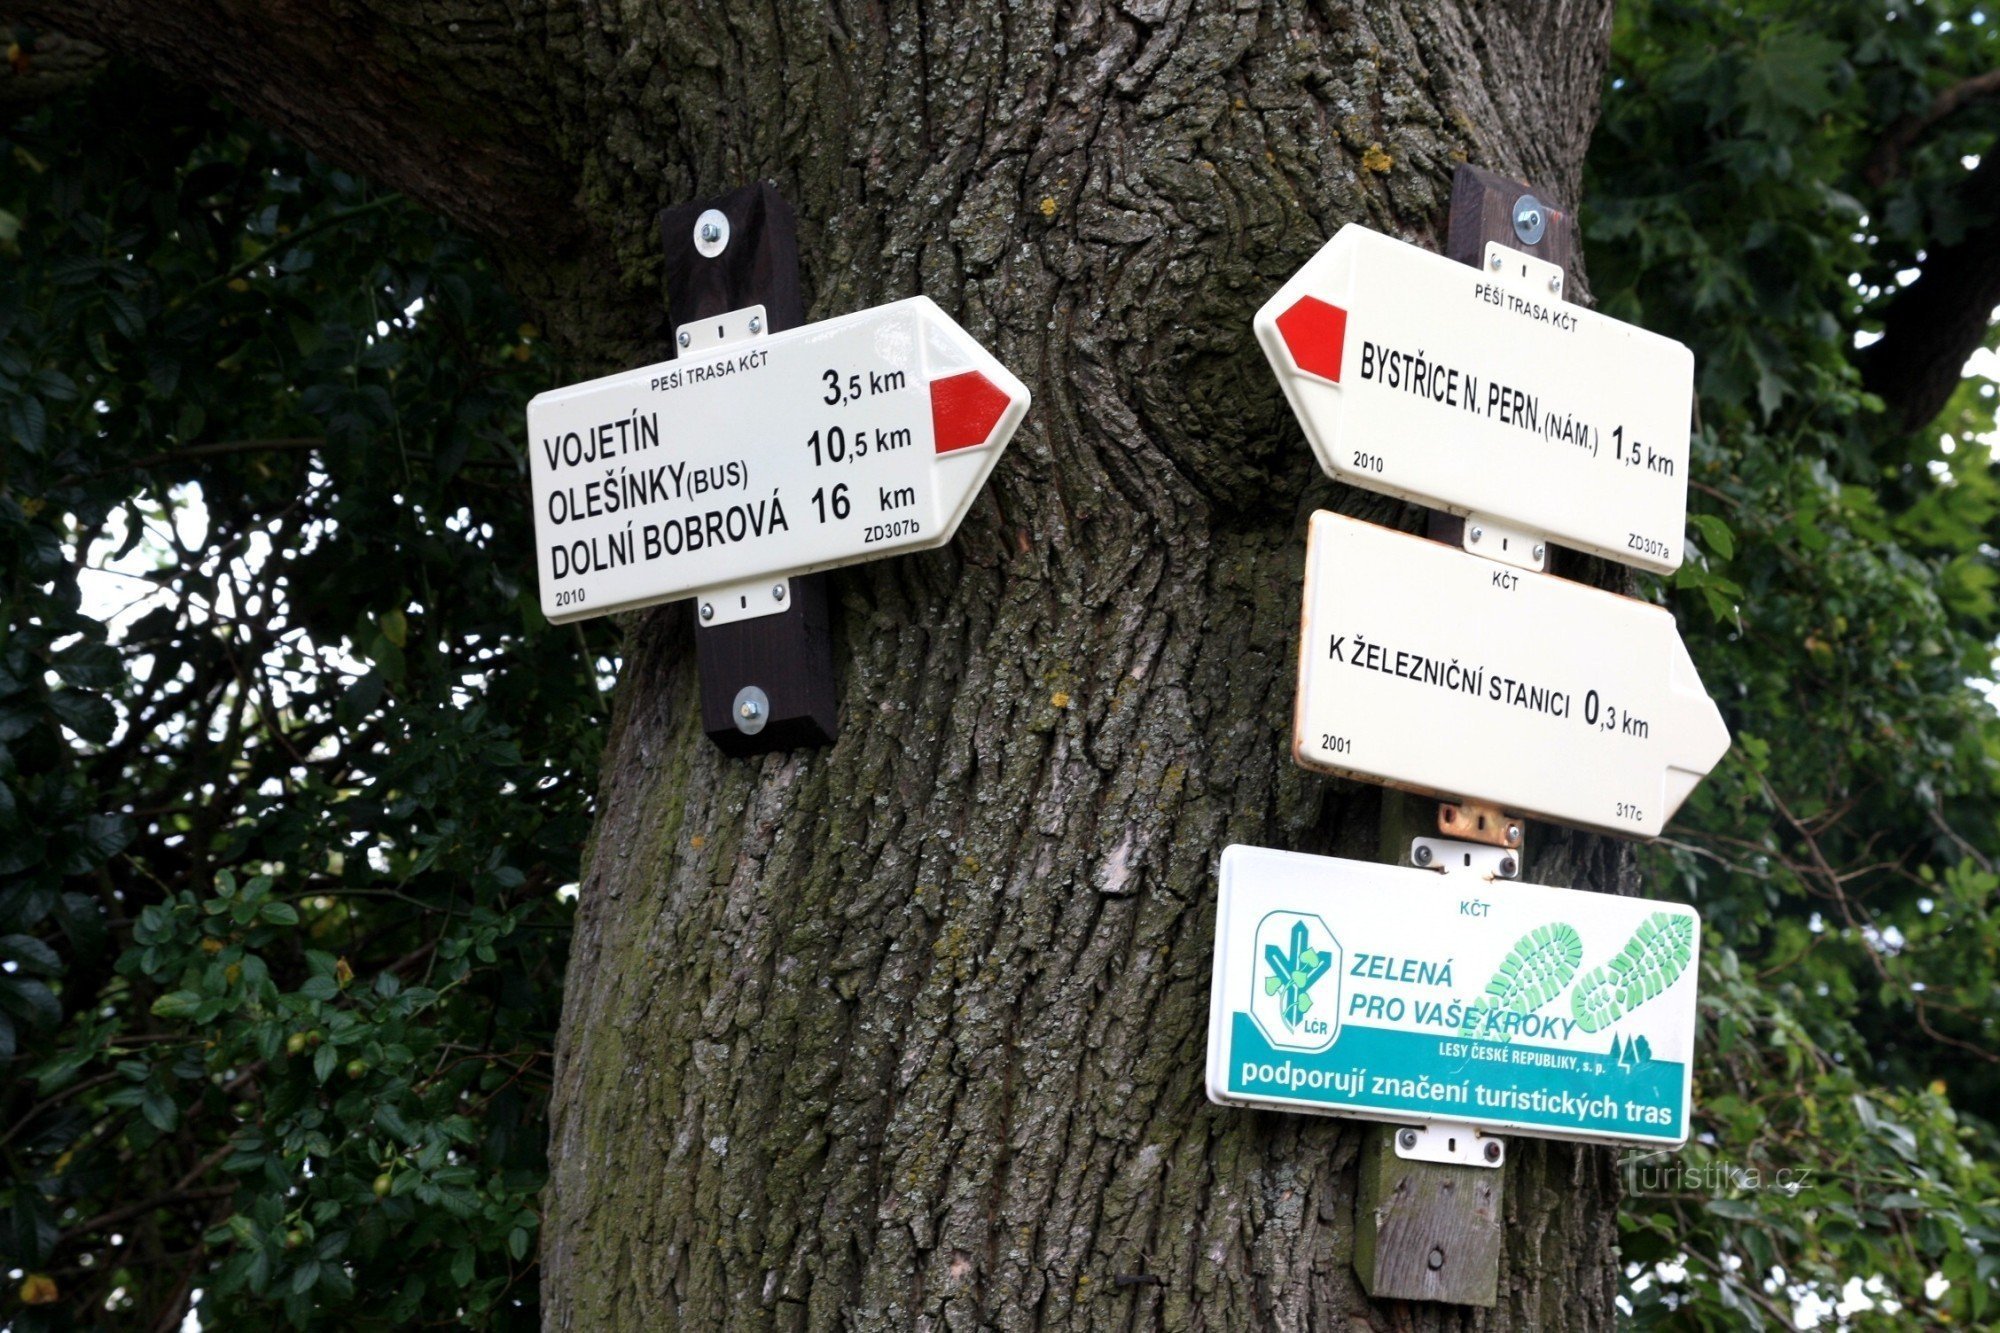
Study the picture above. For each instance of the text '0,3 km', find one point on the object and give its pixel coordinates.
(838, 442)
(1482, 391)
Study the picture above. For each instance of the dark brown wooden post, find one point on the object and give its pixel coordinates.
(782, 660)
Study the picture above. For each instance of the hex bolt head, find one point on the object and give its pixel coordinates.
(1407, 1137)
(1422, 856)
(750, 710)
(1492, 1150)
(778, 592)
(710, 232)
(1513, 833)
(1477, 532)
(708, 611)
(1509, 867)
(685, 339)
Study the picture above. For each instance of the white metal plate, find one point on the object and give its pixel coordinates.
(1384, 993)
(841, 441)
(1448, 856)
(1469, 389)
(1451, 1143)
(1435, 671)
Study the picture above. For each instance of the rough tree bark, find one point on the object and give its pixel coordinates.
(909, 1032)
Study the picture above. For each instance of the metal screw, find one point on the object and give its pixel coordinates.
(1494, 263)
(778, 592)
(1529, 220)
(756, 324)
(1555, 282)
(685, 340)
(707, 611)
(1540, 550)
(1408, 1138)
(752, 708)
(1436, 1260)
(1477, 532)
(1492, 1150)
(1508, 867)
(1513, 833)
(1422, 856)
(710, 232)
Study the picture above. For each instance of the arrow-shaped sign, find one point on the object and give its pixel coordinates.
(1439, 672)
(841, 441)
(1480, 391)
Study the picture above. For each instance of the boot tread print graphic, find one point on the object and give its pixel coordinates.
(1534, 972)
(1651, 961)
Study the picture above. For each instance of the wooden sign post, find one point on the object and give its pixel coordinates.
(1432, 1231)
(778, 665)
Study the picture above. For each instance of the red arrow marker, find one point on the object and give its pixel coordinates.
(964, 410)
(1315, 333)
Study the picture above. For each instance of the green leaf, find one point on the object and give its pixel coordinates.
(1715, 535)
(177, 1004)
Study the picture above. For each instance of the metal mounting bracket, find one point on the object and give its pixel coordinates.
(1449, 857)
(1452, 1144)
(1479, 822)
(1536, 279)
(1507, 545)
(732, 326)
(744, 601)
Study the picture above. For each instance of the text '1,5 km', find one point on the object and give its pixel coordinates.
(784, 454)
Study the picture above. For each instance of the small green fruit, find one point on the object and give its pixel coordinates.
(295, 1044)
(383, 1183)
(356, 1068)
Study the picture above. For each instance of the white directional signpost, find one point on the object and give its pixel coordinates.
(720, 474)
(1384, 993)
(1439, 672)
(1481, 392)
(1452, 1000)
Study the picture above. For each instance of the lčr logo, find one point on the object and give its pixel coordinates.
(1295, 996)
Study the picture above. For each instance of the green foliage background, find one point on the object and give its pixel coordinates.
(280, 937)
(279, 857)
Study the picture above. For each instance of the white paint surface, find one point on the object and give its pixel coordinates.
(701, 473)
(1529, 409)
(1439, 672)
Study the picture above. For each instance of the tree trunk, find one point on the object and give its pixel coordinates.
(910, 1032)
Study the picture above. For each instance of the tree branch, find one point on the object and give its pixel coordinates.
(437, 109)
(1885, 163)
(1931, 326)
(43, 65)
